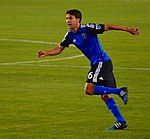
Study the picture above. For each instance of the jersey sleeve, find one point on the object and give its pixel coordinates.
(66, 41)
(96, 28)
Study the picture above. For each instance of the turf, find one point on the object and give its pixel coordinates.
(46, 99)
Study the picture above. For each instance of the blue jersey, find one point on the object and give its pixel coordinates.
(87, 41)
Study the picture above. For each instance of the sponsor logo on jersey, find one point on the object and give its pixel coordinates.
(84, 35)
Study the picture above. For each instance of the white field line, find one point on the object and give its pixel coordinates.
(28, 41)
(31, 63)
(57, 59)
(133, 68)
(66, 58)
(40, 61)
(85, 67)
(23, 62)
(76, 66)
(55, 66)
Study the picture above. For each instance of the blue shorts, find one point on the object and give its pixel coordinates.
(102, 74)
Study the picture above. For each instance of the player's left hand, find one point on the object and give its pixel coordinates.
(134, 31)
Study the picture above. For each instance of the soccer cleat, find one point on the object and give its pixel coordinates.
(118, 126)
(124, 94)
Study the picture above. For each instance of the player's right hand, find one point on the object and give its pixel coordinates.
(41, 54)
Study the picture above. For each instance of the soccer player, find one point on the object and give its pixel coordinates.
(100, 78)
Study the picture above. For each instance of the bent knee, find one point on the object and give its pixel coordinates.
(89, 89)
(105, 97)
(87, 92)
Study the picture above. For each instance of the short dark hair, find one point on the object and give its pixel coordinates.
(75, 12)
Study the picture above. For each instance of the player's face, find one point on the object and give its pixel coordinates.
(73, 23)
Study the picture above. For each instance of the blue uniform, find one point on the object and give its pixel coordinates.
(101, 72)
(87, 41)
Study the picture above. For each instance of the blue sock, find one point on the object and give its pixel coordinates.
(112, 106)
(101, 90)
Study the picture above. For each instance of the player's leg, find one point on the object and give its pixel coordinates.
(112, 106)
(100, 72)
(114, 109)
(109, 101)
(91, 89)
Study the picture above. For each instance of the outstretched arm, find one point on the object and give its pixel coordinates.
(55, 51)
(131, 30)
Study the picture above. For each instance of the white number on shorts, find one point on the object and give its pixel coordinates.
(90, 75)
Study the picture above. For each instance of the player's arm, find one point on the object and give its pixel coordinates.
(55, 51)
(131, 30)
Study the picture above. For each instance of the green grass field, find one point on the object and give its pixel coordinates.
(45, 99)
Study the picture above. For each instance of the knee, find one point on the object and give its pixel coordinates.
(105, 97)
(89, 88)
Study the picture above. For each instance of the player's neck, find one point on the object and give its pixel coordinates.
(75, 29)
